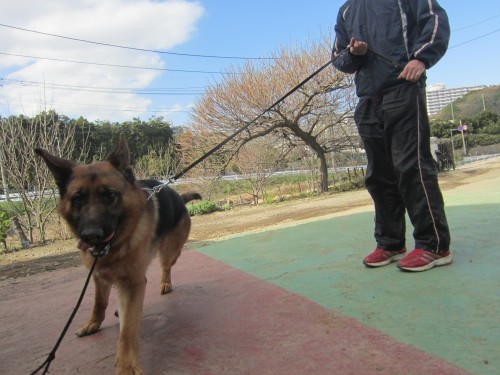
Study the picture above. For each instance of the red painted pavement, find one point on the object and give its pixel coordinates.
(218, 320)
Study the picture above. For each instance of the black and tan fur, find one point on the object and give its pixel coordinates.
(104, 204)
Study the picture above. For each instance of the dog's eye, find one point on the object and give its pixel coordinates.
(110, 197)
(78, 199)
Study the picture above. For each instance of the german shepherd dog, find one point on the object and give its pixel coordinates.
(110, 211)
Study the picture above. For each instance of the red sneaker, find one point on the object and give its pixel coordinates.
(423, 260)
(381, 257)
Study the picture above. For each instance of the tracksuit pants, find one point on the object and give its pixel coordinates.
(401, 174)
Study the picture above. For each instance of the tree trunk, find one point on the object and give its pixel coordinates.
(323, 168)
(313, 143)
(25, 243)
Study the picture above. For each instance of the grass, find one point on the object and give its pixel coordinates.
(205, 207)
(278, 189)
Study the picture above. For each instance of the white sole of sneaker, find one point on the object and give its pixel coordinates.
(394, 258)
(438, 262)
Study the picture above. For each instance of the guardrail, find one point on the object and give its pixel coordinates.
(17, 197)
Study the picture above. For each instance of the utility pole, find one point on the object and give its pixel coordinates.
(461, 129)
(452, 146)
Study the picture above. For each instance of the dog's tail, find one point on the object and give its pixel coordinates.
(188, 197)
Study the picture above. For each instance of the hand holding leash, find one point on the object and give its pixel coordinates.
(412, 71)
(356, 47)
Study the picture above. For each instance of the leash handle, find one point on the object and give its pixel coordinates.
(52, 354)
(378, 54)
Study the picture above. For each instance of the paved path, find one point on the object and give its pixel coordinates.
(294, 300)
(450, 312)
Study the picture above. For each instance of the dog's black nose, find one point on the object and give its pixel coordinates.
(92, 236)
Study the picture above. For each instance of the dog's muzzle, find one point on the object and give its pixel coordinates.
(98, 250)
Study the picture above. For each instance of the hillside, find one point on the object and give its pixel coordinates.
(473, 103)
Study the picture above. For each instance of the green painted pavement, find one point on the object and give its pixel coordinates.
(451, 312)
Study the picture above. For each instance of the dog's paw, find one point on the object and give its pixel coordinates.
(88, 328)
(165, 288)
(127, 370)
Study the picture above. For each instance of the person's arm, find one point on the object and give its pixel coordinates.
(346, 57)
(434, 31)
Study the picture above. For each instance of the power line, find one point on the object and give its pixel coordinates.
(114, 90)
(111, 65)
(477, 23)
(142, 91)
(474, 39)
(135, 48)
(191, 71)
(94, 107)
(126, 92)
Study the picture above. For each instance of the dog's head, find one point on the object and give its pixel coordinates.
(92, 196)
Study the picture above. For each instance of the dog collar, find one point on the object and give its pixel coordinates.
(100, 250)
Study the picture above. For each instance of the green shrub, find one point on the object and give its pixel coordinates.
(4, 227)
(475, 140)
(348, 185)
(226, 207)
(206, 207)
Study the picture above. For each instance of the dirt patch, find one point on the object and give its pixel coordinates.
(63, 254)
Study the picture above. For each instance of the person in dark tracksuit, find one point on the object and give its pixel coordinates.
(389, 44)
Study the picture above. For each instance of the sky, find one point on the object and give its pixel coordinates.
(122, 59)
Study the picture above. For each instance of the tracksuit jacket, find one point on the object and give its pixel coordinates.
(401, 30)
(391, 113)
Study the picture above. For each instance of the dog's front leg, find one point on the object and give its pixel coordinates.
(131, 296)
(102, 290)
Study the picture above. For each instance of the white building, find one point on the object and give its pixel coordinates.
(438, 96)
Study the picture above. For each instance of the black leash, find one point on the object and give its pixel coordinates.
(387, 59)
(156, 189)
(231, 137)
(52, 355)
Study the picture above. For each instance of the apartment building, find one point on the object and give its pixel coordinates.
(438, 96)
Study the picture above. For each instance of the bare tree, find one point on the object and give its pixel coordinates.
(195, 142)
(305, 117)
(26, 174)
(160, 162)
(256, 162)
(6, 189)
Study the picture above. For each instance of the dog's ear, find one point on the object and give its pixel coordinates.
(120, 159)
(60, 168)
